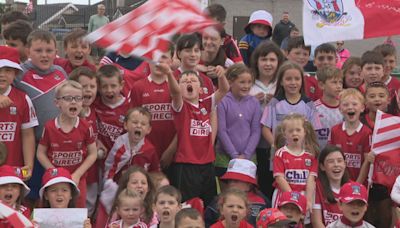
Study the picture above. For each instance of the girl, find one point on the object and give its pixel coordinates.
(266, 60)
(233, 208)
(59, 190)
(238, 119)
(332, 175)
(135, 179)
(12, 191)
(128, 205)
(352, 73)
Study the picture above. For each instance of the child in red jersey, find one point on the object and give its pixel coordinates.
(68, 141)
(193, 171)
(332, 175)
(12, 191)
(132, 148)
(17, 120)
(352, 136)
(233, 207)
(372, 63)
(293, 205)
(167, 202)
(389, 63)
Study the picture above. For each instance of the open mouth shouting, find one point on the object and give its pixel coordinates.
(234, 218)
(189, 88)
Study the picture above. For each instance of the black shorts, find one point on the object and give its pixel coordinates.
(194, 180)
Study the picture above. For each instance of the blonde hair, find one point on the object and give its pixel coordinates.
(351, 92)
(126, 193)
(67, 83)
(329, 72)
(232, 192)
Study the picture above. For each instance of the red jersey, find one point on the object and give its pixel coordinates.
(231, 49)
(208, 87)
(243, 224)
(19, 115)
(330, 211)
(353, 146)
(295, 168)
(311, 87)
(193, 127)
(110, 120)
(67, 150)
(122, 156)
(393, 85)
(68, 67)
(93, 172)
(156, 98)
(4, 223)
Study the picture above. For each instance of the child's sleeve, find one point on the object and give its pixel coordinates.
(90, 136)
(244, 47)
(255, 129)
(223, 136)
(278, 165)
(268, 115)
(45, 139)
(29, 118)
(314, 166)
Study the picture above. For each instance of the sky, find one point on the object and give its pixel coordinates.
(60, 1)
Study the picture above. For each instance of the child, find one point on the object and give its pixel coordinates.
(110, 106)
(238, 118)
(159, 179)
(135, 179)
(167, 202)
(257, 30)
(11, 16)
(16, 34)
(129, 205)
(298, 52)
(389, 63)
(272, 218)
(352, 73)
(324, 56)
(330, 81)
(241, 174)
(371, 68)
(189, 218)
(353, 204)
(289, 97)
(192, 171)
(158, 102)
(293, 205)
(351, 136)
(132, 148)
(19, 118)
(12, 191)
(233, 208)
(332, 175)
(266, 60)
(77, 52)
(68, 141)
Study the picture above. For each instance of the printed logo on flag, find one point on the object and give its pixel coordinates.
(329, 12)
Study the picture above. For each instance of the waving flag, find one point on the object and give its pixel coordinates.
(15, 218)
(329, 21)
(386, 146)
(147, 30)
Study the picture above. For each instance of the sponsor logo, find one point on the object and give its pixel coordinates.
(7, 131)
(160, 111)
(296, 176)
(353, 160)
(199, 128)
(67, 158)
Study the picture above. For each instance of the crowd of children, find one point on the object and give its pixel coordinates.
(213, 135)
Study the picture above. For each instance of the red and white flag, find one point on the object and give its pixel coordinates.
(147, 30)
(333, 20)
(386, 147)
(15, 218)
(29, 8)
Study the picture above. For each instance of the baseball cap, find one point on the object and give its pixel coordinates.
(353, 191)
(295, 198)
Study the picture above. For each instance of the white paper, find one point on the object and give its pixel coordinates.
(60, 217)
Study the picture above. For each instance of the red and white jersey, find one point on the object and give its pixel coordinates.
(295, 168)
(311, 87)
(91, 118)
(110, 120)
(4, 223)
(193, 126)
(93, 171)
(353, 146)
(157, 99)
(393, 85)
(19, 115)
(119, 224)
(329, 116)
(67, 150)
(208, 87)
(330, 211)
(122, 156)
(340, 224)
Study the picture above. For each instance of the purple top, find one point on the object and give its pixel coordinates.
(239, 126)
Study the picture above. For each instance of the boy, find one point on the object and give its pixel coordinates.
(297, 51)
(293, 205)
(372, 63)
(257, 30)
(10, 17)
(153, 93)
(16, 34)
(192, 171)
(68, 141)
(77, 52)
(272, 218)
(330, 81)
(352, 136)
(218, 13)
(389, 63)
(110, 106)
(132, 148)
(189, 218)
(17, 120)
(167, 202)
(353, 204)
